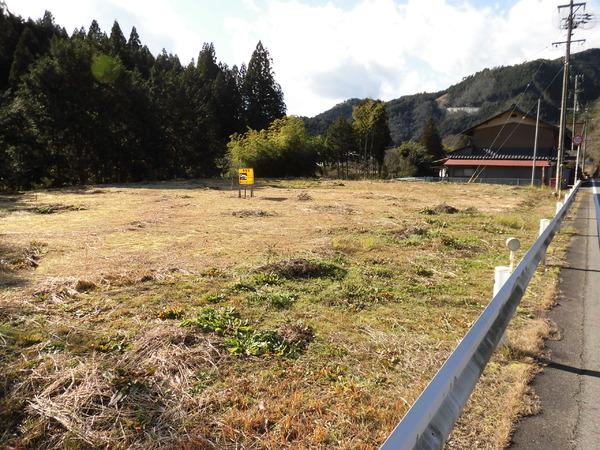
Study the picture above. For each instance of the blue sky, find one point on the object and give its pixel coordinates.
(326, 51)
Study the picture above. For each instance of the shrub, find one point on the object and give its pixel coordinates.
(407, 160)
(284, 149)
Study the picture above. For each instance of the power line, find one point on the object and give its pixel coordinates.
(515, 106)
(528, 111)
(530, 59)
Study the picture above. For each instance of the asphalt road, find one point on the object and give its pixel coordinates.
(569, 386)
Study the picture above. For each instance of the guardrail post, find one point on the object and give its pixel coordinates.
(558, 206)
(543, 225)
(501, 274)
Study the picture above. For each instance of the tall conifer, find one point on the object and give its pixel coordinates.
(430, 139)
(262, 94)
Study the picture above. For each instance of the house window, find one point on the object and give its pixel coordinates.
(464, 172)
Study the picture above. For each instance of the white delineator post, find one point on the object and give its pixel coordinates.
(558, 206)
(543, 225)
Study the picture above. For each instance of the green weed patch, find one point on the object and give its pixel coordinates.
(240, 337)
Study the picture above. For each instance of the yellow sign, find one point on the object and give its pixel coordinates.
(246, 176)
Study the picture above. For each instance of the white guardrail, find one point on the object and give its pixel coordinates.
(428, 423)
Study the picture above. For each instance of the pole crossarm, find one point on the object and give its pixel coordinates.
(571, 5)
(567, 42)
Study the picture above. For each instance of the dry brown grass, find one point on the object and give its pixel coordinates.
(94, 355)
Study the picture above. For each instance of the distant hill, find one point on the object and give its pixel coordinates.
(479, 96)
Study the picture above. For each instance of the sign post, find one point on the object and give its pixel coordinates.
(246, 178)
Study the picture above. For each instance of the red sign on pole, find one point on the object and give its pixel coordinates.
(577, 140)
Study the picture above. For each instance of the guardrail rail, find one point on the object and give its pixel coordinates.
(596, 193)
(428, 423)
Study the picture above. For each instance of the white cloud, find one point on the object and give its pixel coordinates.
(325, 53)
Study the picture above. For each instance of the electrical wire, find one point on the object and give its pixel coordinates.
(456, 137)
(530, 109)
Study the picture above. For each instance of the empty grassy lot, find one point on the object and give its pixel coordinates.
(176, 315)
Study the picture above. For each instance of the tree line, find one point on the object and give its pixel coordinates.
(355, 148)
(92, 107)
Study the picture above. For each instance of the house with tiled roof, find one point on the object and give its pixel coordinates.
(501, 149)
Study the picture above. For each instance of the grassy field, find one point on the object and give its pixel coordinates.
(177, 315)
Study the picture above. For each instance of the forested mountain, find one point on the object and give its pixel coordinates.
(479, 96)
(92, 107)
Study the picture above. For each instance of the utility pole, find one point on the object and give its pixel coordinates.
(570, 23)
(573, 132)
(537, 127)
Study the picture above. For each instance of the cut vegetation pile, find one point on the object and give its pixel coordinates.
(303, 268)
(251, 213)
(152, 323)
(14, 258)
(54, 208)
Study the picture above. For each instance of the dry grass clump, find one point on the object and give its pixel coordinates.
(335, 209)
(59, 289)
(144, 399)
(304, 196)
(136, 277)
(54, 208)
(17, 258)
(251, 213)
(414, 230)
(136, 225)
(298, 335)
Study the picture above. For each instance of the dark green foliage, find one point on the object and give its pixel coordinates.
(97, 37)
(370, 123)
(23, 55)
(117, 41)
(430, 139)
(320, 123)
(408, 160)
(263, 97)
(341, 145)
(93, 108)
